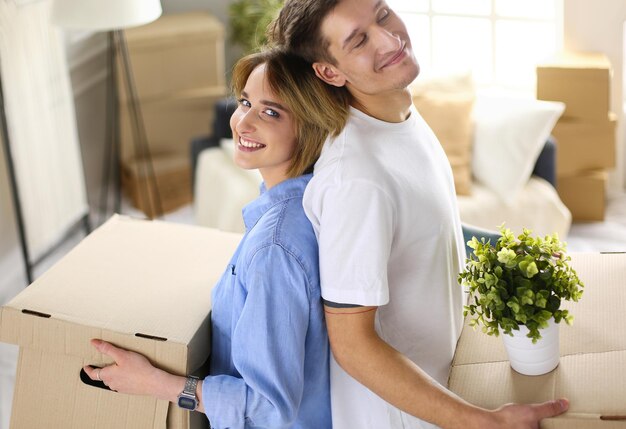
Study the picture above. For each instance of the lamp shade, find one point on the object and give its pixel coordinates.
(104, 15)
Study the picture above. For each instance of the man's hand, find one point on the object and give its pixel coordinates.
(133, 373)
(515, 416)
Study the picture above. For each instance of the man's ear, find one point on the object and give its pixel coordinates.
(329, 74)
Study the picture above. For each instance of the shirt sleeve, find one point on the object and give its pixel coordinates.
(268, 346)
(356, 224)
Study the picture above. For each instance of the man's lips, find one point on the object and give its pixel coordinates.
(396, 58)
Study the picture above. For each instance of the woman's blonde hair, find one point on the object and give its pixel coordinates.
(318, 110)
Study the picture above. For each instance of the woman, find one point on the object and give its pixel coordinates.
(269, 361)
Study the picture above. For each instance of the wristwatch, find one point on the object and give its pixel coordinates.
(187, 399)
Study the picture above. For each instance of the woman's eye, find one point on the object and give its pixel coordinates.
(244, 102)
(272, 113)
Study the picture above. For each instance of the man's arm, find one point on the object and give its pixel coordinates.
(359, 350)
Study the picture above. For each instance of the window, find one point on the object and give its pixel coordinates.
(500, 41)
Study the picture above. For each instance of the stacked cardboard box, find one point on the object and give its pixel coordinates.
(178, 69)
(172, 180)
(144, 286)
(586, 131)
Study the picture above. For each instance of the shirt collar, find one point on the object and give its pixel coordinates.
(290, 188)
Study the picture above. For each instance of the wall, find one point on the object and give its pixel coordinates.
(11, 268)
(599, 26)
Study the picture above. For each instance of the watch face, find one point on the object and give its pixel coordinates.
(187, 403)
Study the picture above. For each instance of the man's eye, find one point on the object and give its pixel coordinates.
(361, 42)
(384, 14)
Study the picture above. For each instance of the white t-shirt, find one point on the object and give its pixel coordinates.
(383, 206)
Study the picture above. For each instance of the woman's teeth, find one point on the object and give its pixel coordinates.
(252, 145)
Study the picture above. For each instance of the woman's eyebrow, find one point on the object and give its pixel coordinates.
(274, 104)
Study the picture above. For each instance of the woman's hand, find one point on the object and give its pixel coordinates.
(133, 373)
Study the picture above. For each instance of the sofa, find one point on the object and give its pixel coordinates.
(221, 189)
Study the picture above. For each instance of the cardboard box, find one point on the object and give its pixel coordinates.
(177, 65)
(145, 286)
(581, 81)
(173, 183)
(171, 122)
(583, 145)
(177, 52)
(584, 195)
(593, 356)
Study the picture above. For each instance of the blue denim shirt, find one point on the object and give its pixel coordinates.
(270, 352)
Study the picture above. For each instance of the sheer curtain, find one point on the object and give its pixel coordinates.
(41, 120)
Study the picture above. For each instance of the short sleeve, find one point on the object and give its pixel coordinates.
(356, 225)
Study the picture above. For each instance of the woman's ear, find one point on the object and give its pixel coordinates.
(329, 74)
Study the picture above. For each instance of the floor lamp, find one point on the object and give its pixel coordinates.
(114, 16)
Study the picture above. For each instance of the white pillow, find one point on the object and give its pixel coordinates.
(509, 134)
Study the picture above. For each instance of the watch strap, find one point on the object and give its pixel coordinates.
(190, 385)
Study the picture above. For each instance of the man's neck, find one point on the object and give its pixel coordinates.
(388, 107)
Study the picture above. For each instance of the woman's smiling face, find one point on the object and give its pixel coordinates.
(263, 130)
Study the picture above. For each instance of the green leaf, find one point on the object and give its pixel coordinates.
(506, 255)
(249, 20)
(514, 306)
(541, 302)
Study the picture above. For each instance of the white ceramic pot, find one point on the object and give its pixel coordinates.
(533, 359)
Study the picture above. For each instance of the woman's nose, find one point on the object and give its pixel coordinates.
(246, 121)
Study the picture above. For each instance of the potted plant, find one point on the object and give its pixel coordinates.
(516, 287)
(249, 20)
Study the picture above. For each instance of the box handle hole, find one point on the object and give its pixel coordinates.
(150, 337)
(94, 383)
(36, 313)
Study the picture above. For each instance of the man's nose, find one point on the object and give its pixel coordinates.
(386, 40)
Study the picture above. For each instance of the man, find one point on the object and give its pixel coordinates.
(383, 205)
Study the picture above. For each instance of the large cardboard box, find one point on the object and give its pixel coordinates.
(145, 286)
(583, 145)
(172, 177)
(581, 81)
(177, 52)
(593, 356)
(584, 194)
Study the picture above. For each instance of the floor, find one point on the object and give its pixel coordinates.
(607, 236)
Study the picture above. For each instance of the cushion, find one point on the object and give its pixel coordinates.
(537, 207)
(446, 105)
(510, 132)
(223, 189)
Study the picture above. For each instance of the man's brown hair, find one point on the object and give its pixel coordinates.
(317, 110)
(298, 28)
